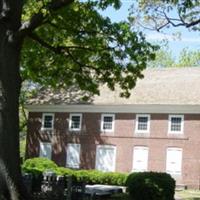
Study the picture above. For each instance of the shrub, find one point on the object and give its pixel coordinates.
(64, 171)
(97, 177)
(37, 166)
(150, 186)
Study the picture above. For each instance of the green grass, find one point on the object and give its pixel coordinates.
(189, 194)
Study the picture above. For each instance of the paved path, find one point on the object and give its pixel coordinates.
(177, 197)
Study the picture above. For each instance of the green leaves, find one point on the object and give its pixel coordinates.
(77, 46)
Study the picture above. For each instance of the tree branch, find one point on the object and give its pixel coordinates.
(39, 18)
(35, 37)
(181, 20)
(57, 49)
(188, 25)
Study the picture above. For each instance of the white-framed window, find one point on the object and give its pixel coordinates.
(105, 158)
(140, 158)
(73, 155)
(174, 161)
(176, 124)
(75, 121)
(45, 150)
(107, 122)
(47, 121)
(142, 123)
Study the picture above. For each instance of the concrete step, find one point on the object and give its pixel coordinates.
(180, 187)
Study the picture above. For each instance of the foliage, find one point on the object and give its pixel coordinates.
(160, 14)
(189, 58)
(163, 58)
(38, 165)
(76, 45)
(22, 148)
(151, 185)
(97, 177)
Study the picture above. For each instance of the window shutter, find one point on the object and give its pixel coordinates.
(73, 155)
(45, 150)
(105, 158)
(174, 160)
(140, 158)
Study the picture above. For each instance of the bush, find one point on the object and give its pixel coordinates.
(97, 177)
(150, 186)
(36, 166)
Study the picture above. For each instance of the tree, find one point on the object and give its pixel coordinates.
(163, 58)
(61, 43)
(189, 58)
(160, 14)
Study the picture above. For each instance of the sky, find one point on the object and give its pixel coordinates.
(189, 39)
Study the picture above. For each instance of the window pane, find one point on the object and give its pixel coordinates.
(176, 124)
(107, 123)
(75, 122)
(142, 123)
(48, 121)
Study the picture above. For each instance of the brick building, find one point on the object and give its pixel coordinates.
(156, 129)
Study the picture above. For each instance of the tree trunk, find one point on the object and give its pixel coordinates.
(10, 84)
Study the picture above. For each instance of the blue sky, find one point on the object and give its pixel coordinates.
(189, 39)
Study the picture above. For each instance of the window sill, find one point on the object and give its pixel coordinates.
(46, 129)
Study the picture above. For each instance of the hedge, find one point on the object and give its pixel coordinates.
(37, 166)
(151, 186)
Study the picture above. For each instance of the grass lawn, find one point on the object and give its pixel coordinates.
(188, 194)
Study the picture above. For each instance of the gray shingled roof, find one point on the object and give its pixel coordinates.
(159, 86)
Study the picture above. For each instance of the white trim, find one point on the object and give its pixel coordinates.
(169, 124)
(67, 151)
(43, 118)
(167, 157)
(128, 108)
(114, 156)
(70, 121)
(102, 122)
(148, 123)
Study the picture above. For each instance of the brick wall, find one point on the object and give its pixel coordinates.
(124, 138)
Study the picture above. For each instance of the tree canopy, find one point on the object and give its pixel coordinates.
(76, 45)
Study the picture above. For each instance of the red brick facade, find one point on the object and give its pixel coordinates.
(124, 138)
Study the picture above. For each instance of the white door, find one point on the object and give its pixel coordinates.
(105, 158)
(140, 158)
(174, 160)
(45, 150)
(73, 155)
